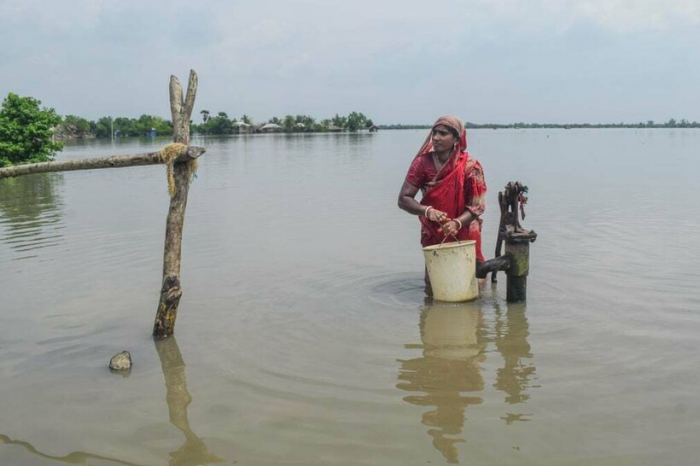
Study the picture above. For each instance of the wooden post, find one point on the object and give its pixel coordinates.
(171, 291)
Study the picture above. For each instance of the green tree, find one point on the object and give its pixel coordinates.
(103, 127)
(305, 123)
(219, 124)
(146, 123)
(125, 126)
(75, 126)
(288, 123)
(355, 121)
(340, 122)
(26, 131)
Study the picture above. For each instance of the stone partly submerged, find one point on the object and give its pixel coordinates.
(120, 362)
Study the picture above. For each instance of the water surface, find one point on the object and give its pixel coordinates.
(304, 336)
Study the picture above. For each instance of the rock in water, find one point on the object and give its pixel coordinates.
(121, 361)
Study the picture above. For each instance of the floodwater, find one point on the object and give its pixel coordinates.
(304, 337)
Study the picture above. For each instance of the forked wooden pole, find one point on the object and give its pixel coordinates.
(171, 290)
(182, 161)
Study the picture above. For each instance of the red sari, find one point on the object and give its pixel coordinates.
(459, 186)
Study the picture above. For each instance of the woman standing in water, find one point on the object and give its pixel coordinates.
(452, 186)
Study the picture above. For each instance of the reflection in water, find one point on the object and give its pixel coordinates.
(193, 451)
(454, 339)
(513, 379)
(452, 336)
(76, 457)
(29, 206)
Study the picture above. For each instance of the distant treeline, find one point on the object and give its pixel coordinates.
(672, 123)
(222, 124)
(75, 127)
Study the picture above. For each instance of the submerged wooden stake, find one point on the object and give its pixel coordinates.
(171, 291)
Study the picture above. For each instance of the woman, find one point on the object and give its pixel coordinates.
(452, 185)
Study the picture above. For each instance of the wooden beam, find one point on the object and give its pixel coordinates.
(115, 161)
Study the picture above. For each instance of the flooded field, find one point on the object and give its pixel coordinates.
(304, 336)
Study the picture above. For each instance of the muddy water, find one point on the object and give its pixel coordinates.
(304, 336)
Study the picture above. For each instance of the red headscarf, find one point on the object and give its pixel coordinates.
(451, 122)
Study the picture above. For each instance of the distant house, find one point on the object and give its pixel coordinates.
(241, 127)
(373, 129)
(334, 129)
(270, 128)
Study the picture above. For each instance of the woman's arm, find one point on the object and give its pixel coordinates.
(407, 201)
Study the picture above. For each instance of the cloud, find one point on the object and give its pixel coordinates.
(54, 16)
(393, 60)
(640, 15)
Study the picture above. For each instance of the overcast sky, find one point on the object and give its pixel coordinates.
(397, 61)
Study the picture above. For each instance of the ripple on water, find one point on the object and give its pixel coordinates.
(306, 349)
(31, 213)
(27, 234)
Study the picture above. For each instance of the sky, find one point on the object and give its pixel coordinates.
(396, 61)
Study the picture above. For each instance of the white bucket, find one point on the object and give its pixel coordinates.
(452, 271)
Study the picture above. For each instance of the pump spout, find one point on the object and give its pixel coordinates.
(494, 265)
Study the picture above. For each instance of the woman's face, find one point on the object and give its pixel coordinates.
(443, 139)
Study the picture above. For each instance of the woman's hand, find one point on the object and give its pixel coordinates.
(435, 215)
(451, 228)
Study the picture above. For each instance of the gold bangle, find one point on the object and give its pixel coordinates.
(425, 214)
(458, 222)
